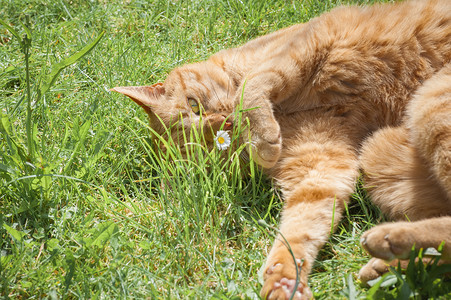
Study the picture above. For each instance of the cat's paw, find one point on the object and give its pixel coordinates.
(389, 241)
(373, 269)
(377, 267)
(266, 144)
(280, 281)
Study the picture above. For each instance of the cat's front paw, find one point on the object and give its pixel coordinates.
(280, 280)
(389, 241)
(266, 144)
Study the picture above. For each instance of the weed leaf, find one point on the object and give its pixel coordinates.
(12, 31)
(103, 233)
(82, 133)
(16, 234)
(27, 30)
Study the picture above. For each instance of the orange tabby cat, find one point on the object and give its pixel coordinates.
(321, 89)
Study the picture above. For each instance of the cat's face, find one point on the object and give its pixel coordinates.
(199, 95)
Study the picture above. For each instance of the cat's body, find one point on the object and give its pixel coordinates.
(321, 89)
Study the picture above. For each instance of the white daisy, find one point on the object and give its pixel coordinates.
(222, 140)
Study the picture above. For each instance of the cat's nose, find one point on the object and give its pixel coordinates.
(228, 125)
(219, 121)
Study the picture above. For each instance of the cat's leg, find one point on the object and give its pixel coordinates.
(429, 123)
(409, 174)
(265, 143)
(279, 78)
(397, 178)
(317, 174)
(400, 183)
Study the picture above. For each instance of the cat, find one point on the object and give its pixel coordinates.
(355, 88)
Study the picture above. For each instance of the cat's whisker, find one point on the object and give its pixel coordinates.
(244, 156)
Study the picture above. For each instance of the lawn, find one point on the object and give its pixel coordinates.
(88, 209)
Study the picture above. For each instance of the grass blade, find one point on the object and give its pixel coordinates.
(57, 68)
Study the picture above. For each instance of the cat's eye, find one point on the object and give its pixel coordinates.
(194, 105)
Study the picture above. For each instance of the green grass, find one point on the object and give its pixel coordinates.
(88, 210)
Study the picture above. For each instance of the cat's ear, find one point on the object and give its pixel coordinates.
(144, 96)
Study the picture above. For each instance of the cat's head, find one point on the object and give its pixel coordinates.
(198, 95)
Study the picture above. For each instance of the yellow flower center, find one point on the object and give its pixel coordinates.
(221, 140)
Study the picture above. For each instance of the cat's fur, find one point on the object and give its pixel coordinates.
(322, 88)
